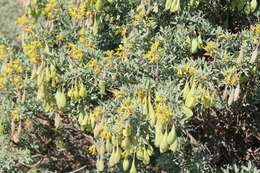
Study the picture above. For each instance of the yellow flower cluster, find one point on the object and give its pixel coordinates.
(119, 94)
(163, 112)
(2, 82)
(4, 52)
(153, 55)
(23, 20)
(77, 13)
(50, 8)
(185, 69)
(210, 49)
(93, 64)
(126, 107)
(82, 39)
(15, 115)
(231, 76)
(32, 50)
(76, 52)
(92, 149)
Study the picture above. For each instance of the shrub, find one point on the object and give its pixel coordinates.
(131, 85)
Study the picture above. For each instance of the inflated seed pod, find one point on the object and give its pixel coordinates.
(174, 145)
(140, 153)
(194, 45)
(95, 27)
(172, 135)
(82, 90)
(164, 145)
(151, 112)
(109, 146)
(117, 155)
(158, 135)
(168, 4)
(146, 159)
(99, 5)
(133, 168)
(100, 165)
(125, 143)
(111, 161)
(125, 164)
(62, 99)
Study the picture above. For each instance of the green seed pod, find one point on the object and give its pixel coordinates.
(100, 165)
(102, 149)
(112, 158)
(149, 150)
(76, 93)
(175, 6)
(102, 88)
(62, 100)
(186, 90)
(171, 136)
(82, 90)
(117, 155)
(97, 130)
(99, 5)
(151, 112)
(34, 73)
(47, 74)
(140, 153)
(41, 93)
(194, 45)
(126, 164)
(95, 27)
(40, 79)
(158, 134)
(146, 159)
(133, 168)
(174, 146)
(70, 92)
(125, 143)
(81, 118)
(114, 141)
(164, 145)
(168, 4)
(109, 146)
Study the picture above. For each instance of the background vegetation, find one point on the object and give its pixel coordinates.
(130, 86)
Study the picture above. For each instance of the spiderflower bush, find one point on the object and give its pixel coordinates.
(135, 81)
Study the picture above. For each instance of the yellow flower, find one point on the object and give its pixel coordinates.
(3, 52)
(163, 112)
(92, 63)
(23, 20)
(59, 37)
(92, 149)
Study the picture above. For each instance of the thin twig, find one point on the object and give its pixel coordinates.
(77, 170)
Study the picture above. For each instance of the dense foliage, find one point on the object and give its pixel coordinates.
(139, 86)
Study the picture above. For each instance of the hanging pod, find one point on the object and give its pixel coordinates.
(176, 6)
(95, 27)
(100, 165)
(194, 45)
(158, 134)
(125, 164)
(146, 157)
(164, 145)
(109, 146)
(99, 5)
(174, 146)
(111, 161)
(168, 4)
(152, 116)
(172, 135)
(82, 90)
(133, 168)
